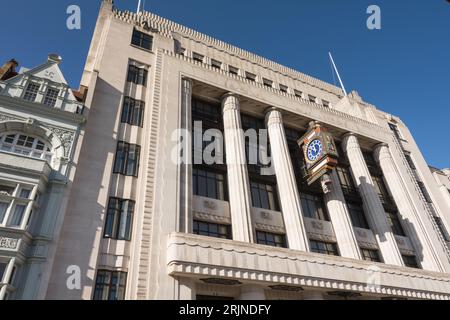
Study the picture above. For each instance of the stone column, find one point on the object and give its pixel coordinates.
(417, 233)
(287, 186)
(185, 218)
(250, 292)
(238, 180)
(340, 217)
(373, 207)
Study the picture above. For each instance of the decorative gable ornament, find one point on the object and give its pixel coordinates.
(320, 152)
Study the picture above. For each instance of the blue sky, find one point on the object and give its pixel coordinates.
(404, 68)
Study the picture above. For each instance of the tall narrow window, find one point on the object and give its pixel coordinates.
(50, 97)
(31, 91)
(357, 215)
(17, 217)
(209, 184)
(2, 270)
(395, 224)
(119, 219)
(142, 40)
(410, 261)
(133, 111)
(313, 207)
(137, 75)
(110, 285)
(3, 207)
(396, 131)
(264, 196)
(127, 159)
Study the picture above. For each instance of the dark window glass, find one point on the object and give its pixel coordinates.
(110, 285)
(119, 219)
(268, 83)
(395, 130)
(209, 184)
(212, 230)
(216, 64)
(410, 261)
(371, 255)
(271, 239)
(133, 111)
(198, 57)
(442, 228)
(346, 180)
(357, 215)
(264, 196)
(233, 70)
(313, 207)
(205, 111)
(142, 40)
(137, 75)
(127, 159)
(298, 94)
(2, 270)
(283, 88)
(50, 97)
(410, 161)
(250, 76)
(312, 99)
(31, 91)
(380, 188)
(395, 223)
(424, 191)
(324, 247)
(325, 103)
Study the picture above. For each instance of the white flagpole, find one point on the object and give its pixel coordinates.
(337, 72)
(138, 7)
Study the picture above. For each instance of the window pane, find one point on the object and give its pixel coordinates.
(2, 270)
(17, 217)
(3, 207)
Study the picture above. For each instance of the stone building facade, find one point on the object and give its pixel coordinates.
(140, 225)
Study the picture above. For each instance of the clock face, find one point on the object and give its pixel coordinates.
(314, 150)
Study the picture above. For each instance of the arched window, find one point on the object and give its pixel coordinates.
(26, 145)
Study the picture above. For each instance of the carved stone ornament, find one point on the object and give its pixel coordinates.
(66, 137)
(8, 243)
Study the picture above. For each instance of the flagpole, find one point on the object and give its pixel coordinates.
(138, 7)
(337, 72)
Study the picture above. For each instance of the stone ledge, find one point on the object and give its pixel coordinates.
(195, 256)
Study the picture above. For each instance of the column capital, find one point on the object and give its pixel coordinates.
(273, 116)
(230, 102)
(381, 152)
(350, 141)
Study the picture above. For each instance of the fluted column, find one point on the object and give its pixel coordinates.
(238, 181)
(414, 228)
(340, 218)
(185, 219)
(287, 186)
(372, 204)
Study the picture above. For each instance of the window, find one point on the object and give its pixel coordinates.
(325, 103)
(410, 261)
(424, 191)
(209, 184)
(202, 110)
(2, 270)
(396, 131)
(441, 227)
(381, 189)
(268, 83)
(283, 88)
(346, 180)
(50, 97)
(324, 247)
(142, 40)
(7, 190)
(233, 70)
(250, 76)
(25, 193)
(410, 161)
(311, 98)
(17, 217)
(216, 64)
(298, 94)
(119, 219)
(137, 75)
(395, 224)
(3, 208)
(371, 255)
(31, 91)
(198, 57)
(127, 159)
(25, 145)
(264, 196)
(133, 111)
(357, 215)
(212, 230)
(110, 285)
(313, 207)
(271, 239)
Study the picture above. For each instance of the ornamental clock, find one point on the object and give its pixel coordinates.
(319, 150)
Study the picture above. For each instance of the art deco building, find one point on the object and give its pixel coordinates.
(40, 121)
(140, 225)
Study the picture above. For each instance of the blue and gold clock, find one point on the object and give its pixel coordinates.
(314, 150)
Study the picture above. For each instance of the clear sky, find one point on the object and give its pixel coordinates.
(403, 69)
